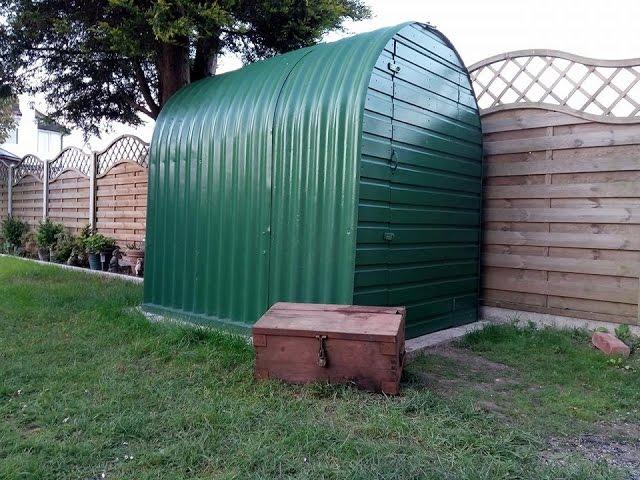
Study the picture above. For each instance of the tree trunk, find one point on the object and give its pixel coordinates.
(173, 69)
(205, 62)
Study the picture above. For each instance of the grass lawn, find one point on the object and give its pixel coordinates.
(90, 389)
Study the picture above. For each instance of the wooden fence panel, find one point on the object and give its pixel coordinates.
(27, 200)
(106, 190)
(69, 200)
(562, 183)
(562, 215)
(4, 191)
(121, 201)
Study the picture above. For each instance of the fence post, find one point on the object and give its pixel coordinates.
(45, 191)
(10, 191)
(92, 190)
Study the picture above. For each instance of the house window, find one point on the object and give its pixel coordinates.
(49, 143)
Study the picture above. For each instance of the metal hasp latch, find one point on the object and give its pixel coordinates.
(388, 236)
(322, 351)
(394, 67)
(393, 161)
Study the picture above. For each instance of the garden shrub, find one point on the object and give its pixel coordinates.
(97, 243)
(13, 231)
(47, 233)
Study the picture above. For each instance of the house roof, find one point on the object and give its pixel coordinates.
(8, 157)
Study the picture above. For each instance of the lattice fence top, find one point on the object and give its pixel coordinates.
(600, 90)
(70, 158)
(125, 148)
(29, 165)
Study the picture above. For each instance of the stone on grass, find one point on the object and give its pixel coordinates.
(610, 344)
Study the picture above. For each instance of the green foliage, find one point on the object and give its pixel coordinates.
(97, 243)
(86, 232)
(623, 332)
(14, 230)
(29, 245)
(47, 233)
(617, 362)
(65, 244)
(7, 115)
(109, 60)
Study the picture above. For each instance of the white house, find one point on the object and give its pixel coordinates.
(39, 135)
(34, 133)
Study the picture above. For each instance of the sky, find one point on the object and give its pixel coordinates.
(480, 29)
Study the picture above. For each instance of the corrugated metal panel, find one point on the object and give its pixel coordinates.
(252, 191)
(210, 194)
(316, 145)
(421, 178)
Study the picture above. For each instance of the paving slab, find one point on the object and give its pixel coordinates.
(505, 315)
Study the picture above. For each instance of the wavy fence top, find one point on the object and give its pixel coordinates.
(127, 148)
(71, 158)
(598, 90)
(29, 165)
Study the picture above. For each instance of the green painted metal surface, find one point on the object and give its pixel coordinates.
(420, 185)
(254, 191)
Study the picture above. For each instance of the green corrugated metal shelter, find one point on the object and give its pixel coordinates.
(347, 172)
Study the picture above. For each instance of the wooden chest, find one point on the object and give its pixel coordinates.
(302, 343)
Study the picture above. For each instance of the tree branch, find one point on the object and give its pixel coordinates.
(239, 33)
(146, 111)
(64, 51)
(154, 108)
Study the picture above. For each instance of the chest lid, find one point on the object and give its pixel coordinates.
(350, 322)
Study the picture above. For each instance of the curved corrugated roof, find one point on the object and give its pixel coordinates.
(234, 188)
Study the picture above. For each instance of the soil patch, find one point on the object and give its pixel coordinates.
(466, 370)
(616, 444)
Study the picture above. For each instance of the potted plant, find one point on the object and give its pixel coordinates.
(13, 231)
(135, 257)
(99, 248)
(46, 236)
(81, 257)
(29, 248)
(63, 248)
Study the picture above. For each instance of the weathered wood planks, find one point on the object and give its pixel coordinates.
(27, 199)
(562, 215)
(69, 200)
(121, 200)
